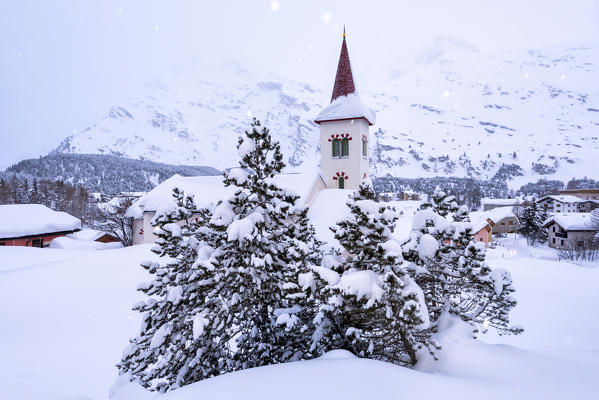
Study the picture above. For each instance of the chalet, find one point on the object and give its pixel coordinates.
(503, 220)
(569, 230)
(34, 225)
(560, 204)
(586, 206)
(408, 195)
(344, 164)
(585, 194)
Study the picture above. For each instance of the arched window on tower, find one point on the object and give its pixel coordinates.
(341, 182)
(336, 148)
(345, 147)
(364, 148)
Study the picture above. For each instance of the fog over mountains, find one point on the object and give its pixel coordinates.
(449, 111)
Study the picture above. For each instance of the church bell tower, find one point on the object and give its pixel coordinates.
(344, 126)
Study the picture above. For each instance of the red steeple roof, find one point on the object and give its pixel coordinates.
(344, 81)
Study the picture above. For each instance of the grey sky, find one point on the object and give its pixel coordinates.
(64, 63)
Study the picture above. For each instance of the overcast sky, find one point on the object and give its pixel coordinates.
(64, 63)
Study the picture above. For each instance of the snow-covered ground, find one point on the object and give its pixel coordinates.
(66, 318)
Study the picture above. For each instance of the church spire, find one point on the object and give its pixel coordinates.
(344, 80)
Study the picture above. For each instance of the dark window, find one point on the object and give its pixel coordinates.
(562, 242)
(336, 148)
(553, 240)
(341, 183)
(554, 228)
(37, 243)
(364, 148)
(345, 147)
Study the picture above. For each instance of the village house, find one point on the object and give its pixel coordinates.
(34, 225)
(344, 164)
(503, 220)
(406, 195)
(586, 206)
(585, 194)
(560, 204)
(569, 230)
(482, 230)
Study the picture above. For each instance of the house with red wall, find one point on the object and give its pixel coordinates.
(34, 225)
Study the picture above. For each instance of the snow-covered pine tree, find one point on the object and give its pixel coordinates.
(368, 303)
(450, 268)
(531, 223)
(183, 334)
(260, 256)
(442, 203)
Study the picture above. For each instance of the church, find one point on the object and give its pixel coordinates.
(344, 164)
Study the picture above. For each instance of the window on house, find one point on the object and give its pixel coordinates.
(341, 183)
(561, 242)
(37, 243)
(510, 223)
(364, 148)
(336, 148)
(553, 240)
(553, 228)
(556, 211)
(345, 147)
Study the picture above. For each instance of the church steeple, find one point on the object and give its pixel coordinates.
(344, 80)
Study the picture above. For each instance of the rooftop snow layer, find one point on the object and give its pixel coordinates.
(499, 213)
(572, 222)
(209, 190)
(17, 220)
(566, 198)
(346, 107)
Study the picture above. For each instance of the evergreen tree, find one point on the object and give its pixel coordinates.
(442, 203)
(450, 268)
(256, 256)
(183, 337)
(368, 303)
(532, 219)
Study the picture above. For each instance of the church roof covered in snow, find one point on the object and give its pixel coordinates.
(19, 220)
(346, 107)
(207, 191)
(565, 198)
(345, 102)
(572, 222)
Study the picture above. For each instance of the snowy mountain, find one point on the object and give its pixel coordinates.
(448, 111)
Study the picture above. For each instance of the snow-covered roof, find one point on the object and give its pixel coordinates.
(572, 222)
(209, 190)
(88, 234)
(505, 202)
(499, 213)
(18, 220)
(346, 107)
(566, 198)
(328, 207)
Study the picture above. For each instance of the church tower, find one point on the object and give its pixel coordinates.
(344, 126)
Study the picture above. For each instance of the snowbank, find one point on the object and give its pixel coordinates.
(19, 220)
(74, 244)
